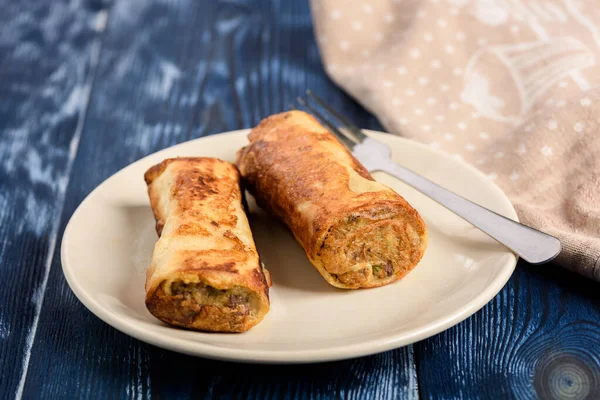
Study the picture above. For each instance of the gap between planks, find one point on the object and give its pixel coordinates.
(96, 48)
(84, 102)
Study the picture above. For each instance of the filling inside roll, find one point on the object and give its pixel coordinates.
(191, 300)
(380, 245)
(199, 302)
(203, 294)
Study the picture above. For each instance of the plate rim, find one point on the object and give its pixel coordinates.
(261, 356)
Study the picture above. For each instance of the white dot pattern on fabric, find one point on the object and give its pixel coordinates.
(547, 151)
(430, 83)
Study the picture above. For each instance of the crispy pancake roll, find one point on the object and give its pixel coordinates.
(357, 232)
(205, 272)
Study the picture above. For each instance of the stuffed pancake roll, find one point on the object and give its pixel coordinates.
(205, 272)
(357, 232)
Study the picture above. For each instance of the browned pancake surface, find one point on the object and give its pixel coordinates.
(356, 232)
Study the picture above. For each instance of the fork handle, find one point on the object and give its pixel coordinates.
(531, 245)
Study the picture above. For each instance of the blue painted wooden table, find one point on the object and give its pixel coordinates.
(89, 86)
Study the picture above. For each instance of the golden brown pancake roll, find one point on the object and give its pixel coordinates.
(205, 272)
(357, 232)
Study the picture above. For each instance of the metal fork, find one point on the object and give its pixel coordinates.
(530, 244)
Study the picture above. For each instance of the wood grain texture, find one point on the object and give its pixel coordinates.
(47, 57)
(170, 71)
(383, 376)
(538, 338)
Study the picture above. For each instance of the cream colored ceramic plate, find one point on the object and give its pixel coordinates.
(109, 241)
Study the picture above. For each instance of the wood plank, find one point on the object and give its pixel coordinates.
(48, 53)
(381, 376)
(170, 71)
(539, 338)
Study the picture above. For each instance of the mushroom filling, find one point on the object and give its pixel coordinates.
(379, 245)
(238, 299)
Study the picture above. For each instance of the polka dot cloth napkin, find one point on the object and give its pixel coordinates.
(510, 86)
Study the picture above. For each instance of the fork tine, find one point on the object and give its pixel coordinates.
(346, 141)
(360, 136)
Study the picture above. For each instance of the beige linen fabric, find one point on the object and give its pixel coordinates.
(510, 86)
